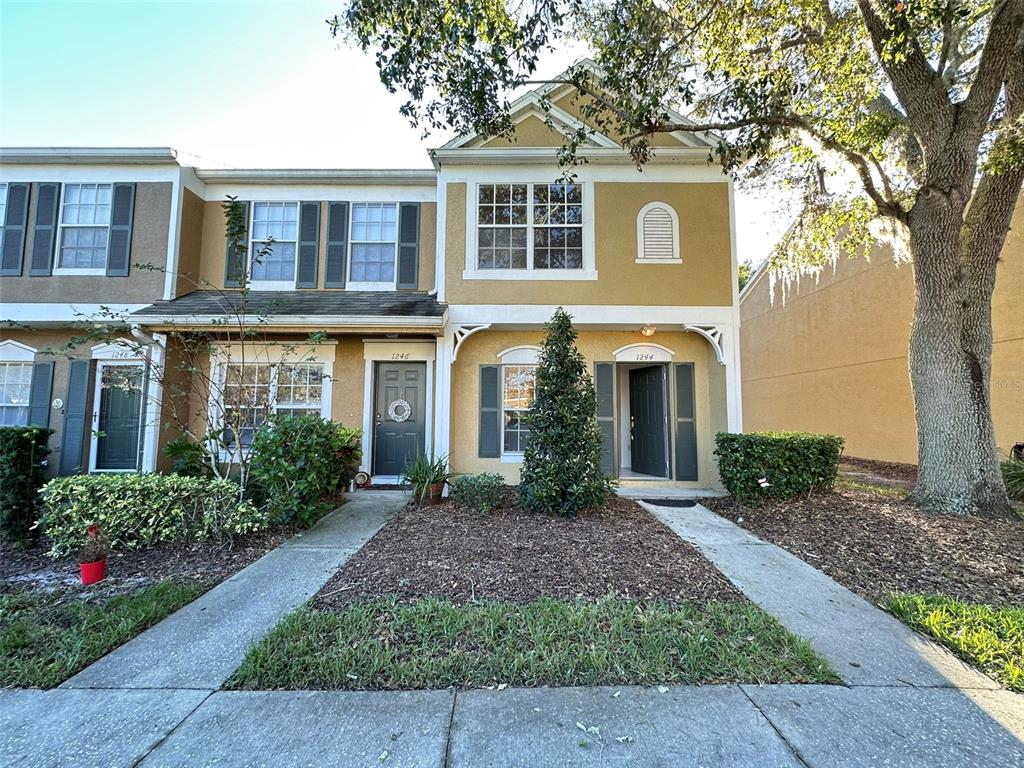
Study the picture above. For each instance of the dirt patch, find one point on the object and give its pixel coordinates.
(874, 545)
(514, 555)
(30, 568)
(902, 474)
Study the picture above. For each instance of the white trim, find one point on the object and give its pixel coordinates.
(471, 270)
(549, 155)
(389, 176)
(80, 271)
(374, 285)
(174, 235)
(97, 401)
(611, 316)
(122, 349)
(43, 313)
(384, 352)
(713, 334)
(15, 352)
(250, 251)
(297, 193)
(733, 372)
(444, 352)
(154, 402)
(641, 238)
(643, 352)
(77, 155)
(56, 267)
(523, 354)
(462, 332)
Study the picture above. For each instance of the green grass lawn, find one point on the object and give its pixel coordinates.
(431, 643)
(991, 639)
(46, 638)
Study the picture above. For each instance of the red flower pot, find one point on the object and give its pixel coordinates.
(93, 572)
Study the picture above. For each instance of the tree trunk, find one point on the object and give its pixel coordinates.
(950, 366)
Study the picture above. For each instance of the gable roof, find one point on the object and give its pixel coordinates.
(540, 102)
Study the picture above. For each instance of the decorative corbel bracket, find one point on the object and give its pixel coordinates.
(463, 332)
(713, 334)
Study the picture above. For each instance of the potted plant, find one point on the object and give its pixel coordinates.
(93, 555)
(427, 476)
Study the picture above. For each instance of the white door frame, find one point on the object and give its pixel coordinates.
(394, 351)
(97, 398)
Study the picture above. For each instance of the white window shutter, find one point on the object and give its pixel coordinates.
(657, 235)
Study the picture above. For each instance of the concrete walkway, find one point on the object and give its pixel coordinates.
(202, 644)
(906, 702)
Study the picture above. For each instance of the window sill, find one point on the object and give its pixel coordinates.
(659, 261)
(553, 275)
(80, 272)
(511, 458)
(357, 286)
(272, 285)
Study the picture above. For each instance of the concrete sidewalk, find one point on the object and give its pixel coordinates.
(715, 726)
(200, 646)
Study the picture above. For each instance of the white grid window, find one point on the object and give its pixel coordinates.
(529, 226)
(254, 390)
(279, 221)
(15, 389)
(374, 239)
(517, 391)
(3, 213)
(84, 223)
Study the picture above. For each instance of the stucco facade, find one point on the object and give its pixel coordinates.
(832, 356)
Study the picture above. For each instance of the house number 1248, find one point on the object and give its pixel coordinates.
(400, 356)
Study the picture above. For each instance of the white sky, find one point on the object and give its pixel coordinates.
(248, 85)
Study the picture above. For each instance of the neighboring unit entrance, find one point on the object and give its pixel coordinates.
(399, 411)
(118, 415)
(647, 425)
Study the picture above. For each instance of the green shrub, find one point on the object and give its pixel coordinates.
(562, 462)
(1013, 477)
(23, 453)
(187, 457)
(142, 510)
(483, 492)
(776, 464)
(296, 462)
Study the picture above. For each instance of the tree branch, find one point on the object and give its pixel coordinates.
(1000, 49)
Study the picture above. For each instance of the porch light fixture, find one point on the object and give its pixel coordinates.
(647, 330)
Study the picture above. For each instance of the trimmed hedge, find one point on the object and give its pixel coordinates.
(23, 452)
(299, 461)
(762, 465)
(142, 510)
(483, 492)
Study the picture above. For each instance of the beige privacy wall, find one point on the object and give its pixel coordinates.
(597, 347)
(833, 357)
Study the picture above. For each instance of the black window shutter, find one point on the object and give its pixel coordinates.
(490, 413)
(15, 223)
(39, 395)
(337, 245)
(686, 425)
(604, 386)
(119, 241)
(408, 245)
(73, 440)
(236, 254)
(309, 245)
(44, 229)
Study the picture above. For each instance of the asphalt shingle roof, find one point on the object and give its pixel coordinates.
(301, 303)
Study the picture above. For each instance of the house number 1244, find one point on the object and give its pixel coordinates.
(644, 355)
(400, 356)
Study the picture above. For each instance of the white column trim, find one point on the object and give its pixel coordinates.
(154, 402)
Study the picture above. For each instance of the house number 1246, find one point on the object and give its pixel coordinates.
(400, 356)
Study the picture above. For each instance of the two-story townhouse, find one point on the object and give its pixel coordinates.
(76, 226)
(429, 290)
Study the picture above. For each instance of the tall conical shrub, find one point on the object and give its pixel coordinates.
(562, 461)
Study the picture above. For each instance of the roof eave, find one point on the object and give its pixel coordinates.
(88, 155)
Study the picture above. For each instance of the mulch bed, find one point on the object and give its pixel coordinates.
(456, 552)
(876, 544)
(207, 562)
(904, 474)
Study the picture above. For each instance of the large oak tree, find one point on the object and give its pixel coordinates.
(894, 118)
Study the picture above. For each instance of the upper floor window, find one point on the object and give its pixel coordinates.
(374, 244)
(274, 262)
(529, 226)
(657, 235)
(84, 227)
(15, 389)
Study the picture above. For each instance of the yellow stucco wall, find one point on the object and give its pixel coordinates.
(190, 244)
(531, 132)
(703, 279)
(833, 357)
(572, 103)
(214, 247)
(483, 348)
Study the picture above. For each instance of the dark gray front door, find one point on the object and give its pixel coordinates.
(120, 417)
(399, 411)
(647, 420)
